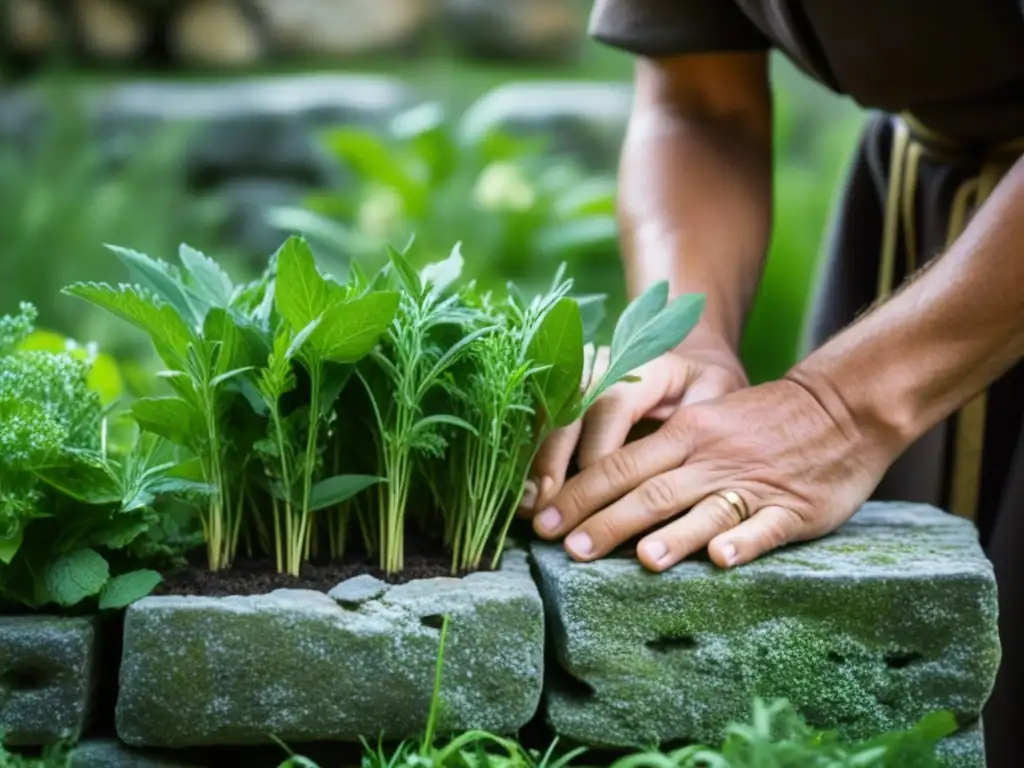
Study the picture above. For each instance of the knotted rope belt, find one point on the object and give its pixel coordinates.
(913, 141)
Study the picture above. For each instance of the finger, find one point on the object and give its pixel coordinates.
(608, 423)
(654, 501)
(770, 528)
(551, 464)
(710, 517)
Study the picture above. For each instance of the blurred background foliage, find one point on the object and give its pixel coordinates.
(516, 205)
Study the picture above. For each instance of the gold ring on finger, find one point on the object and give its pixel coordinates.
(736, 503)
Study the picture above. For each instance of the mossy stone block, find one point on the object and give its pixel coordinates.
(300, 666)
(888, 619)
(48, 671)
(110, 753)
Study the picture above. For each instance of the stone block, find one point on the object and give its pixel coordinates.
(867, 630)
(110, 753)
(48, 675)
(586, 121)
(302, 667)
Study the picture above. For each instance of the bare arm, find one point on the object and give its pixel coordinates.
(695, 183)
(946, 336)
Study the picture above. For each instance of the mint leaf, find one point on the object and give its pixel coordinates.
(157, 277)
(171, 418)
(211, 282)
(165, 326)
(301, 293)
(125, 589)
(73, 577)
(558, 345)
(349, 330)
(334, 490)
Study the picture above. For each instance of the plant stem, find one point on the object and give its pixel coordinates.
(286, 481)
(301, 535)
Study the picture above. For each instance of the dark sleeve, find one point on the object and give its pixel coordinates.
(668, 27)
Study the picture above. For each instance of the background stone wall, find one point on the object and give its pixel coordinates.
(247, 33)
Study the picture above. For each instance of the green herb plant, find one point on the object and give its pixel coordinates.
(73, 503)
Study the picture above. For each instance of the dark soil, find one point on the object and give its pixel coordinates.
(258, 577)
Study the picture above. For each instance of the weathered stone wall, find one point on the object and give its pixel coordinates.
(865, 631)
(250, 33)
(252, 141)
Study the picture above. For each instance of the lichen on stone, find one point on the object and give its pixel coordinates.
(856, 640)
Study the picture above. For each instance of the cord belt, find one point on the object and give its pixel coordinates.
(911, 142)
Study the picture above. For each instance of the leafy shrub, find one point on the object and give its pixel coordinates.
(519, 209)
(305, 401)
(69, 500)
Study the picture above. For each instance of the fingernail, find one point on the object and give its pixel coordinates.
(730, 554)
(579, 544)
(529, 494)
(655, 550)
(549, 520)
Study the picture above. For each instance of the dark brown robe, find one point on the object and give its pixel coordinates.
(956, 66)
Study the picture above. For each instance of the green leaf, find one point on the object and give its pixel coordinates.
(335, 490)
(406, 274)
(73, 577)
(639, 343)
(232, 349)
(442, 418)
(171, 418)
(372, 159)
(592, 310)
(350, 329)
(121, 591)
(441, 274)
(300, 338)
(166, 328)
(212, 283)
(216, 381)
(10, 545)
(301, 294)
(558, 344)
(638, 313)
(157, 277)
(83, 476)
(335, 379)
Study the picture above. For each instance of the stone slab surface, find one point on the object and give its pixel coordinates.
(48, 669)
(891, 617)
(110, 753)
(297, 665)
(966, 749)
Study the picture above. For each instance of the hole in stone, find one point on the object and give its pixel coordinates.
(835, 658)
(573, 687)
(25, 679)
(901, 660)
(672, 643)
(349, 605)
(434, 621)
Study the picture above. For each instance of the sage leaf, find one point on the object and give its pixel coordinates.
(335, 490)
(72, 577)
(121, 591)
(660, 332)
(641, 311)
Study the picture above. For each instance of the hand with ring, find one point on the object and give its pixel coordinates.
(742, 474)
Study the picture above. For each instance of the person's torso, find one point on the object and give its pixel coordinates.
(957, 64)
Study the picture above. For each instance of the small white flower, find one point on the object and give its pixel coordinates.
(380, 212)
(503, 186)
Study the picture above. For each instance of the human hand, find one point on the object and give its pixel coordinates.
(794, 460)
(682, 377)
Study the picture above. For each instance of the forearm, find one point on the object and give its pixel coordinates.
(942, 339)
(695, 188)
